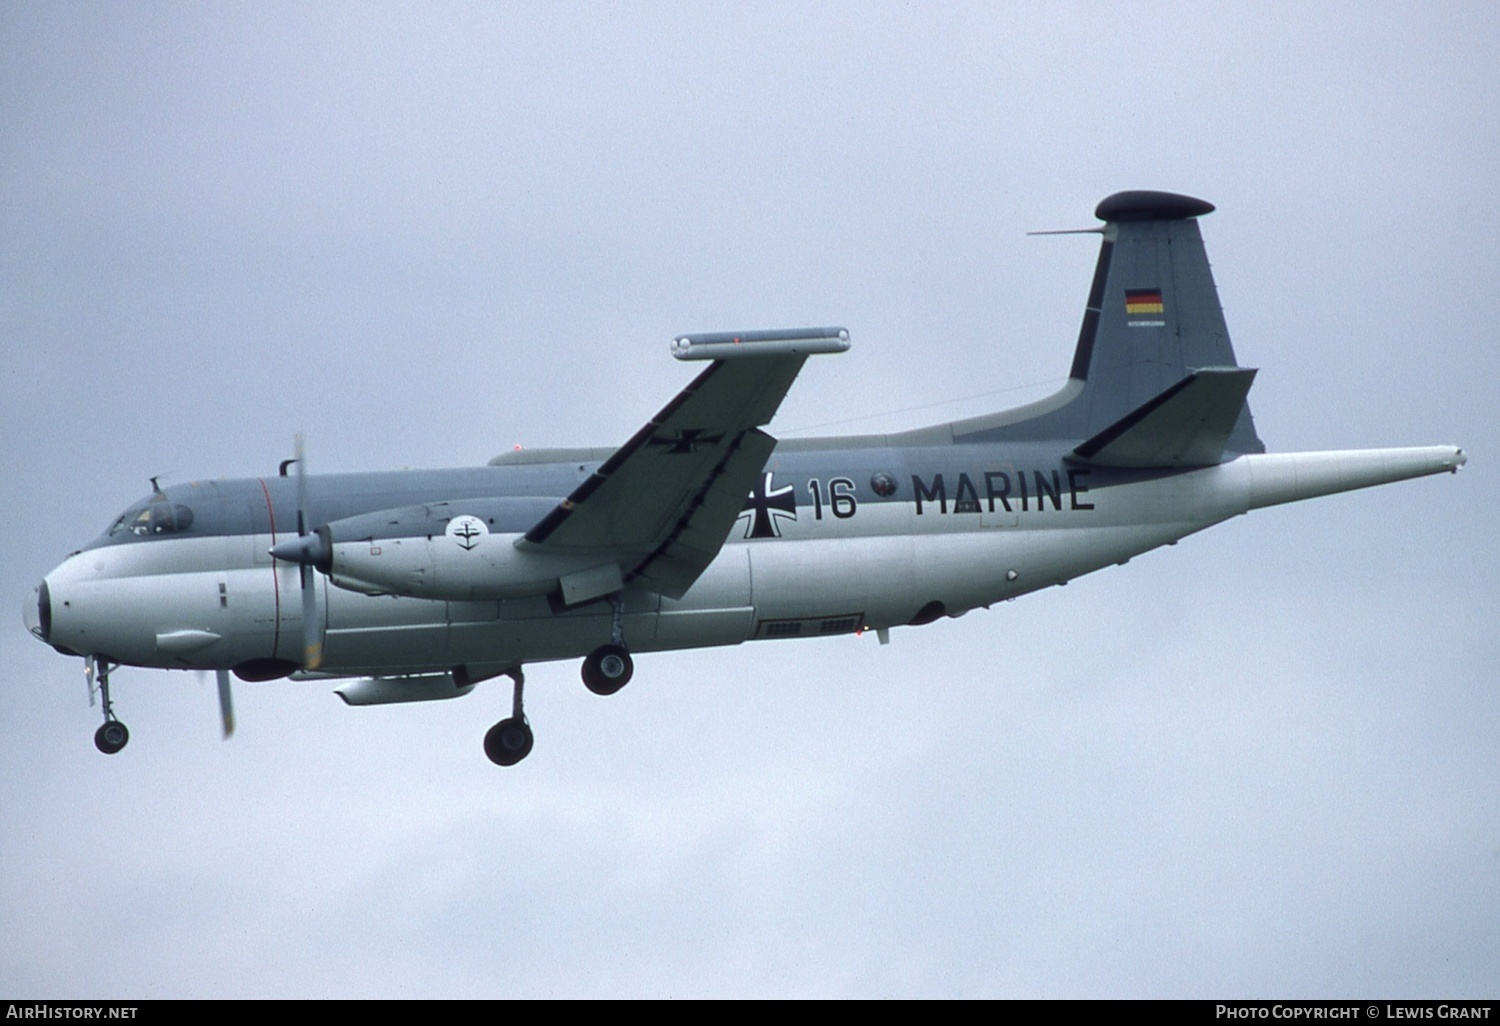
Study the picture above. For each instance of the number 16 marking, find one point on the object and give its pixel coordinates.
(840, 498)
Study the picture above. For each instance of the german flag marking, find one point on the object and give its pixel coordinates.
(1143, 301)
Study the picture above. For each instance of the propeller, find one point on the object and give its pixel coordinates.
(312, 626)
(226, 703)
(311, 550)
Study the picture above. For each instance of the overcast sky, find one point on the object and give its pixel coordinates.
(1262, 762)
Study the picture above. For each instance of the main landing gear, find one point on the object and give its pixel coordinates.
(510, 740)
(112, 735)
(609, 668)
(606, 670)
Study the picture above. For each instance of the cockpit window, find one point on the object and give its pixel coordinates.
(157, 518)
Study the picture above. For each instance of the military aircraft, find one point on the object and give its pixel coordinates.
(703, 529)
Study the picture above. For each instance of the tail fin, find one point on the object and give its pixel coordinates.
(1153, 320)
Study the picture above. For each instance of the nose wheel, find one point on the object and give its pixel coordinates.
(112, 735)
(510, 740)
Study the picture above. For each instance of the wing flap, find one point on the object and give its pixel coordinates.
(675, 564)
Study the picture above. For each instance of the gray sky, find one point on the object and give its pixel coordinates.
(1259, 763)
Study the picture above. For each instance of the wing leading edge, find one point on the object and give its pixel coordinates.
(660, 508)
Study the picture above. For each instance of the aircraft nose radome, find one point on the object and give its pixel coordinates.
(36, 610)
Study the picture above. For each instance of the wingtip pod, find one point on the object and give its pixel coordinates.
(729, 345)
(1289, 476)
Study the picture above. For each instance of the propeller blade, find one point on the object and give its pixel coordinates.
(301, 454)
(312, 626)
(312, 622)
(226, 703)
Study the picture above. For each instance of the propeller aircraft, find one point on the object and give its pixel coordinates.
(702, 529)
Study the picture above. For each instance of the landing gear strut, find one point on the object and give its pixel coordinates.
(510, 740)
(609, 668)
(112, 736)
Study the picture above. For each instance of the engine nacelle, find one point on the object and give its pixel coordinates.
(459, 551)
(464, 563)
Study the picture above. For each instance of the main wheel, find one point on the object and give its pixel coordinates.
(111, 737)
(508, 742)
(607, 669)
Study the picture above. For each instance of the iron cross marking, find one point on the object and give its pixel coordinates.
(764, 507)
(687, 440)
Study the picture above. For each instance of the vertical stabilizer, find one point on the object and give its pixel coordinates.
(1152, 320)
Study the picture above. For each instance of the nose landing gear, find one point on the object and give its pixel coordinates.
(112, 735)
(510, 740)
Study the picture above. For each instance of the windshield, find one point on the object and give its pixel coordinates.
(158, 517)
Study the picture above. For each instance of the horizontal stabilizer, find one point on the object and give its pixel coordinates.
(1188, 425)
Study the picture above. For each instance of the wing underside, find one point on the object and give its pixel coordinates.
(662, 505)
